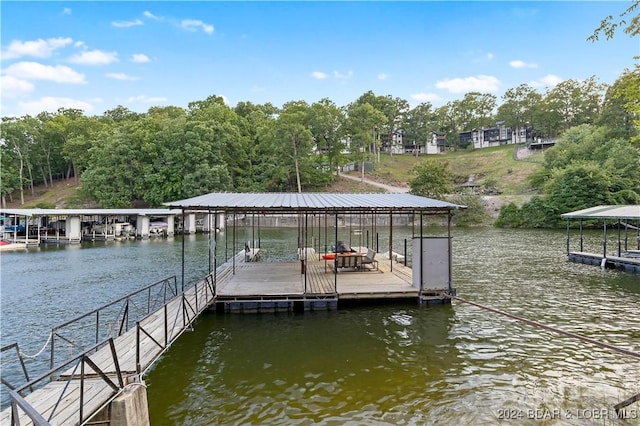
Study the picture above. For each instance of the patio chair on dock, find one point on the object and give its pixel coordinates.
(369, 259)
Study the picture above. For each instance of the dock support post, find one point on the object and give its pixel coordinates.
(131, 407)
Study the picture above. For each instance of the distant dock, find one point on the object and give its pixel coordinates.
(623, 221)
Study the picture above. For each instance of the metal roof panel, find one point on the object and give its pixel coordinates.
(311, 201)
(606, 212)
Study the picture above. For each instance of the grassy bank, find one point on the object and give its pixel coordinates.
(493, 167)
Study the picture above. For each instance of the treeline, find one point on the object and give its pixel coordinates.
(590, 165)
(122, 157)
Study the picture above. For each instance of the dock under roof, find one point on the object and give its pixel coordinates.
(624, 222)
(330, 280)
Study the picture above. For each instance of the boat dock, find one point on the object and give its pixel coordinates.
(620, 222)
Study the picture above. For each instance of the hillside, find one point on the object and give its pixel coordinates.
(56, 196)
(490, 167)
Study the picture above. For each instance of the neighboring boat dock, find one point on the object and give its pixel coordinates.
(620, 223)
(42, 226)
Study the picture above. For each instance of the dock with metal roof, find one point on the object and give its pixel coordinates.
(620, 226)
(320, 280)
(73, 225)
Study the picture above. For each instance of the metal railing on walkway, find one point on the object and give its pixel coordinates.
(109, 345)
(110, 320)
(72, 392)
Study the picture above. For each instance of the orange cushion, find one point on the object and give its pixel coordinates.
(329, 256)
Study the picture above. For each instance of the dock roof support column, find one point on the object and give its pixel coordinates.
(209, 218)
(391, 242)
(450, 216)
(171, 227)
(581, 237)
(568, 245)
(335, 258)
(604, 242)
(619, 244)
(73, 229)
(183, 232)
(421, 254)
(305, 249)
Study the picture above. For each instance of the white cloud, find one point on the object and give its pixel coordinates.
(140, 58)
(383, 76)
(319, 75)
(94, 57)
(490, 56)
(36, 48)
(66, 11)
(146, 99)
(127, 24)
(338, 75)
(480, 83)
(13, 87)
(425, 97)
(548, 80)
(150, 15)
(52, 104)
(194, 24)
(37, 71)
(121, 76)
(521, 64)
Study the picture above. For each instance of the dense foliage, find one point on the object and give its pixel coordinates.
(123, 158)
(586, 168)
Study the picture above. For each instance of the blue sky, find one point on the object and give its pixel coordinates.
(97, 55)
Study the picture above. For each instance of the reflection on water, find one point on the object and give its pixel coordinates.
(387, 364)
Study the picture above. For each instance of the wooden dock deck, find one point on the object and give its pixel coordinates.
(278, 286)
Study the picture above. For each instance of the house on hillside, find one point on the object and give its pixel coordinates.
(398, 143)
(495, 136)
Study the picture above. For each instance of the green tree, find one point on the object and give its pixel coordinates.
(580, 185)
(292, 140)
(518, 106)
(224, 139)
(255, 123)
(570, 103)
(364, 124)
(629, 22)
(432, 179)
(18, 144)
(326, 123)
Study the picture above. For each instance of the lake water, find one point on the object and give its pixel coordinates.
(385, 364)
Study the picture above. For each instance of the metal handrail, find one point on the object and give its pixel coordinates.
(166, 286)
(22, 365)
(17, 395)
